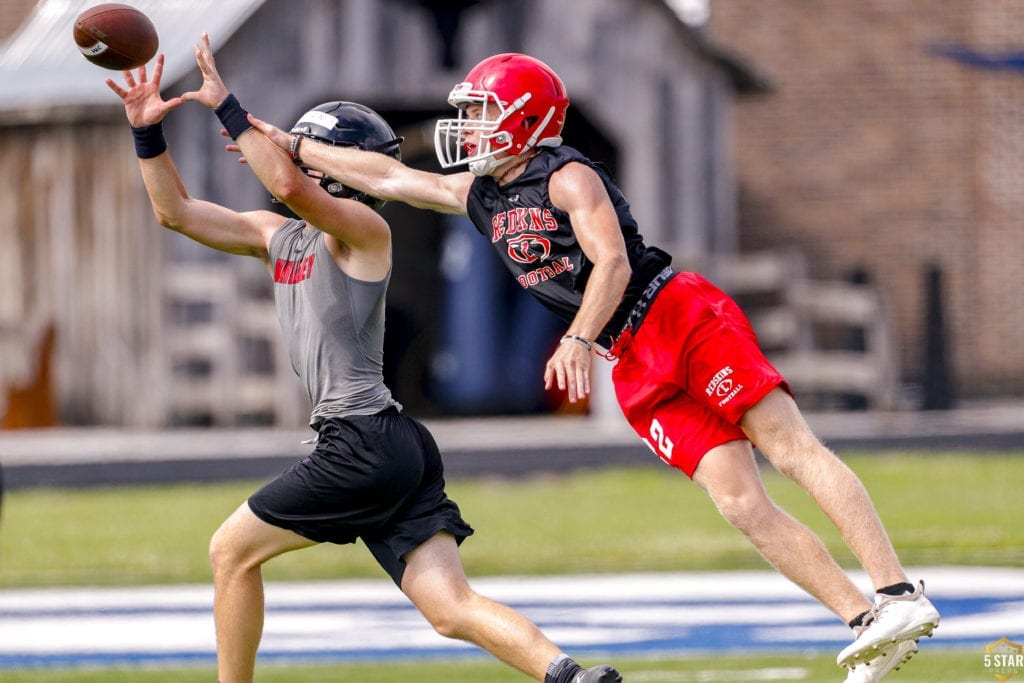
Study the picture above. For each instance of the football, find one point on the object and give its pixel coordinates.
(116, 36)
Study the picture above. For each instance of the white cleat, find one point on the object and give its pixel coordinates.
(883, 664)
(893, 620)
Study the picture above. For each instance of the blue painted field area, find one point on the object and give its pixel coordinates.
(741, 612)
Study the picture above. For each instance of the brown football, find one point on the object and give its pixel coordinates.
(116, 36)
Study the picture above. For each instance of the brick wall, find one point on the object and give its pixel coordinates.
(875, 153)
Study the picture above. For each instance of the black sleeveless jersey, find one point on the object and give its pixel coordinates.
(537, 244)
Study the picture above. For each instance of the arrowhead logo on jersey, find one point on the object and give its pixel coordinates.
(529, 249)
(293, 272)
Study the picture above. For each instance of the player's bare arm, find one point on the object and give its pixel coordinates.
(578, 190)
(207, 223)
(243, 233)
(377, 175)
(358, 237)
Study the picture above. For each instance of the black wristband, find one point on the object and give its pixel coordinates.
(149, 140)
(233, 117)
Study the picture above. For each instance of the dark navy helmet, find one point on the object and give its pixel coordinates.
(348, 124)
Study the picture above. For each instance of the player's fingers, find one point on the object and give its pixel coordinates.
(579, 384)
(207, 50)
(204, 66)
(579, 376)
(273, 133)
(129, 79)
(116, 88)
(554, 375)
(158, 68)
(583, 382)
(258, 124)
(561, 377)
(571, 391)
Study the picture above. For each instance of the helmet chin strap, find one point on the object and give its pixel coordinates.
(482, 167)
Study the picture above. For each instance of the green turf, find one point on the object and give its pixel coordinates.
(939, 508)
(927, 667)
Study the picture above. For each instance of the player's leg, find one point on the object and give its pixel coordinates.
(238, 549)
(901, 611)
(683, 381)
(435, 582)
(730, 476)
(787, 442)
(419, 550)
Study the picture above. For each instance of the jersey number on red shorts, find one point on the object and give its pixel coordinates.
(662, 444)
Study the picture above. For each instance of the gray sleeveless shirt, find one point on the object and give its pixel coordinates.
(333, 325)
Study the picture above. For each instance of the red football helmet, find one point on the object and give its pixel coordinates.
(522, 105)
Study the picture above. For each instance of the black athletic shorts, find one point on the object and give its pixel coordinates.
(375, 477)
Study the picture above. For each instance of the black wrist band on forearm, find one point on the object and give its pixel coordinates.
(149, 140)
(233, 117)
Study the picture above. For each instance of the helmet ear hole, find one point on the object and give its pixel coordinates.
(333, 187)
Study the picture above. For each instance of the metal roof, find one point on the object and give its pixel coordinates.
(41, 67)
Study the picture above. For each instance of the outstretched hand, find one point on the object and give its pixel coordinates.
(143, 104)
(276, 135)
(213, 91)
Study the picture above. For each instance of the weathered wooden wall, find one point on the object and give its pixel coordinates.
(78, 254)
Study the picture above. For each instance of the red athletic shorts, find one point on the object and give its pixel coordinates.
(685, 378)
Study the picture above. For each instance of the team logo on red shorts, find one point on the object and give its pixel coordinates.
(723, 386)
(720, 384)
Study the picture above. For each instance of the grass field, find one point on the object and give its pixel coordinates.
(940, 508)
(928, 667)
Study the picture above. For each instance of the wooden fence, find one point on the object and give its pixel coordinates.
(832, 340)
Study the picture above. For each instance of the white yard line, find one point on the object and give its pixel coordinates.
(675, 613)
